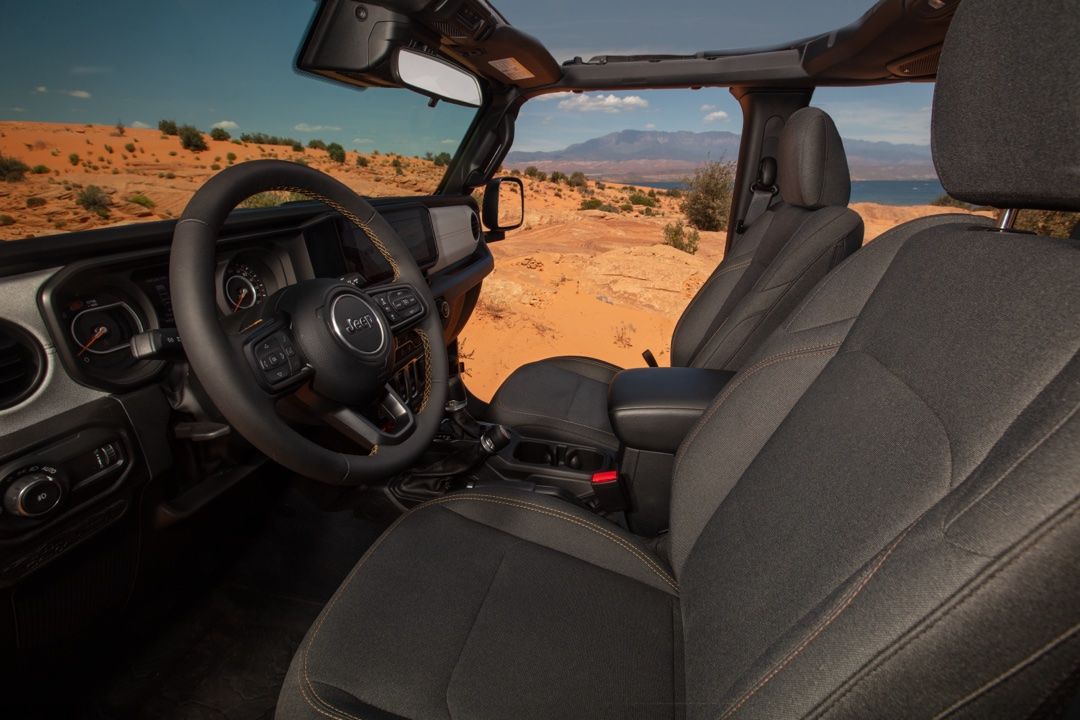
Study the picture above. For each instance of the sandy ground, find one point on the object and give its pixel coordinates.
(570, 281)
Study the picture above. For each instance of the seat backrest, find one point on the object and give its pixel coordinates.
(880, 515)
(780, 256)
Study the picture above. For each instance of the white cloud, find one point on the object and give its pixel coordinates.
(706, 108)
(880, 122)
(650, 126)
(448, 141)
(603, 103)
(18, 109)
(40, 90)
(81, 94)
(91, 70)
(362, 141)
(225, 125)
(552, 96)
(714, 117)
(305, 127)
(140, 125)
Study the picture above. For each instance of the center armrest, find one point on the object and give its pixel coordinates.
(655, 408)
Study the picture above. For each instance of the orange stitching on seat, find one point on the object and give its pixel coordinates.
(828, 620)
(738, 380)
(306, 678)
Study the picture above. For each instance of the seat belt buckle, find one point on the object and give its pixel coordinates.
(608, 491)
(650, 359)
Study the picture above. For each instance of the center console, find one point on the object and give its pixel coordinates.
(652, 410)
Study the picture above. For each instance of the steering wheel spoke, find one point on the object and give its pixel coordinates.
(273, 355)
(394, 424)
(402, 305)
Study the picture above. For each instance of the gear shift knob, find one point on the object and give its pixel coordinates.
(494, 438)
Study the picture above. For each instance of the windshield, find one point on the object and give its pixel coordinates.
(127, 108)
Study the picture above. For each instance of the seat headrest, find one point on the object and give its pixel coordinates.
(812, 163)
(1007, 104)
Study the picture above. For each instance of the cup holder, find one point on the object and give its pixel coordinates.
(584, 460)
(536, 453)
(561, 456)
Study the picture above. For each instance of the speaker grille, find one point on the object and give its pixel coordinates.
(922, 64)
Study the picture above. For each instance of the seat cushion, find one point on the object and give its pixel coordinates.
(560, 398)
(450, 615)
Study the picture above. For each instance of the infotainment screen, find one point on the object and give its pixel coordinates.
(413, 226)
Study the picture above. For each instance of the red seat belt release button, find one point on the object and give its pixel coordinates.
(608, 491)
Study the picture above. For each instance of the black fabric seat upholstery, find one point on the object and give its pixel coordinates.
(879, 516)
(768, 270)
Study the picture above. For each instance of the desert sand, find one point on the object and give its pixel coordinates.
(570, 281)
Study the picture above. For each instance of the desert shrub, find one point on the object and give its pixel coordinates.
(109, 149)
(598, 204)
(168, 127)
(577, 179)
(12, 169)
(94, 199)
(642, 199)
(191, 139)
(600, 185)
(336, 152)
(708, 196)
(39, 170)
(442, 159)
(532, 171)
(316, 144)
(231, 157)
(674, 193)
(6, 220)
(169, 176)
(361, 161)
(140, 199)
(33, 202)
(130, 147)
(557, 177)
(173, 153)
(301, 161)
(679, 238)
(396, 163)
(271, 199)
(947, 200)
(264, 139)
(215, 167)
(220, 134)
(542, 176)
(626, 207)
(429, 155)
(73, 158)
(1054, 223)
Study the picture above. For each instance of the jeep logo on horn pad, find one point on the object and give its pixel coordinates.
(353, 321)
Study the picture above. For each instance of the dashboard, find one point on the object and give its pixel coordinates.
(94, 307)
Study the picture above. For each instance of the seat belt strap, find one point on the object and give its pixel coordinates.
(764, 189)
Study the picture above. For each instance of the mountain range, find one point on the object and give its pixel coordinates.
(655, 155)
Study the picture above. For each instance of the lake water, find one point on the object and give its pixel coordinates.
(885, 192)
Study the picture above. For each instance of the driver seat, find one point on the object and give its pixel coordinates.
(879, 516)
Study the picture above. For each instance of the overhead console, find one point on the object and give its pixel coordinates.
(353, 42)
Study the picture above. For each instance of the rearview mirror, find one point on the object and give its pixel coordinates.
(436, 78)
(504, 206)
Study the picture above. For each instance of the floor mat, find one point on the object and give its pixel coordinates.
(219, 648)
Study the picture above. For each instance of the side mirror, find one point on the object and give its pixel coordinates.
(504, 206)
(436, 77)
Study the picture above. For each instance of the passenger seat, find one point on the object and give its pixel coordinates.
(771, 266)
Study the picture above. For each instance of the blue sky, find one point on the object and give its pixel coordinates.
(229, 62)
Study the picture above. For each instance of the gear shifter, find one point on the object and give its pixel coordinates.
(493, 439)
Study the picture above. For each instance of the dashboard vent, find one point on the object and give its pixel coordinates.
(474, 222)
(22, 365)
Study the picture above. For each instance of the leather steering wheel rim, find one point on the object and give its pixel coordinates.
(230, 383)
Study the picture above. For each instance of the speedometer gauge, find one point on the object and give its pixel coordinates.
(244, 288)
(103, 328)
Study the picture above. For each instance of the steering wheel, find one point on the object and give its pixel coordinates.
(324, 342)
